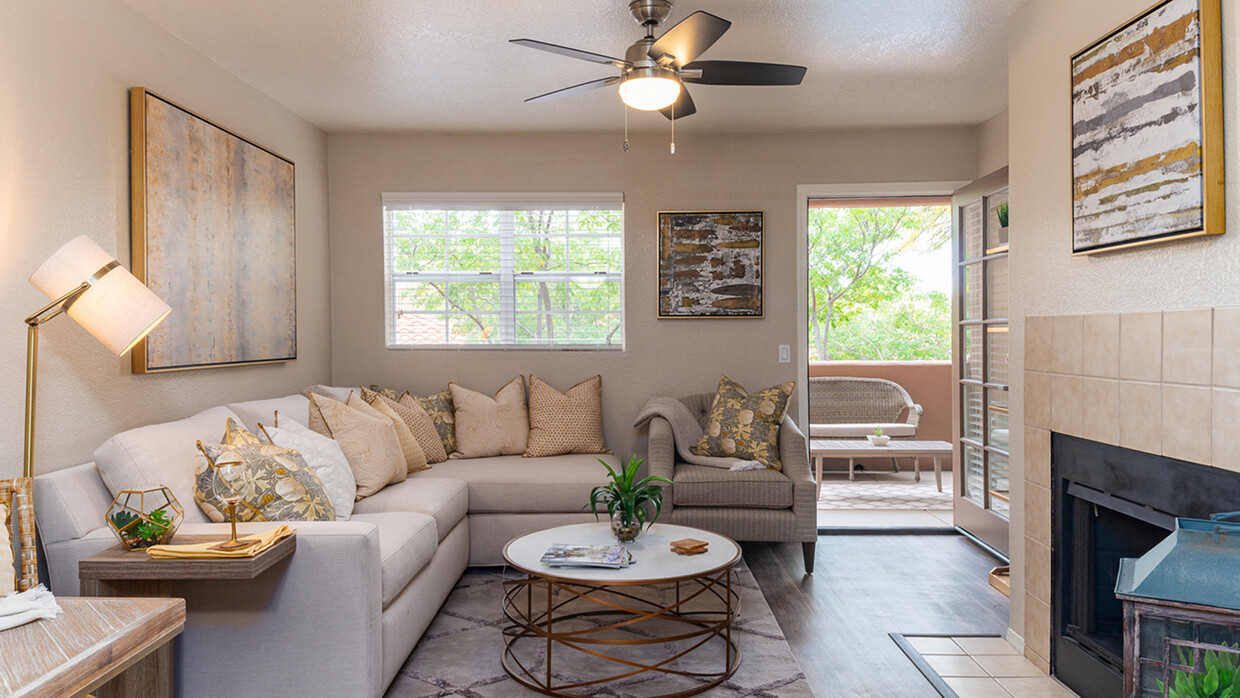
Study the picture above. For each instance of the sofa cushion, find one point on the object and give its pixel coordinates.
(407, 542)
(446, 499)
(514, 484)
(161, 454)
(706, 486)
(255, 412)
(859, 431)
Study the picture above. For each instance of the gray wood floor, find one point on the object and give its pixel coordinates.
(865, 586)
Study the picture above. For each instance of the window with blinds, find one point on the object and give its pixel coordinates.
(535, 271)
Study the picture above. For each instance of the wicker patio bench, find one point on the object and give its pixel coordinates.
(851, 408)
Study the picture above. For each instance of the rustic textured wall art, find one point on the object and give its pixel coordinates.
(1147, 158)
(213, 235)
(710, 264)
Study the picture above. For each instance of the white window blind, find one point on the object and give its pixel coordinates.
(504, 270)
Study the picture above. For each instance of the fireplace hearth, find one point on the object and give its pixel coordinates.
(1109, 503)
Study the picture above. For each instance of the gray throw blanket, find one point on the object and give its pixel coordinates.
(687, 432)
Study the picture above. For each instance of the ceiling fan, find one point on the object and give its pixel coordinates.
(653, 71)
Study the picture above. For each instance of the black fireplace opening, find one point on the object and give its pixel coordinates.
(1109, 503)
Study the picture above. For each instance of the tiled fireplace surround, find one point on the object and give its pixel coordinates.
(1160, 382)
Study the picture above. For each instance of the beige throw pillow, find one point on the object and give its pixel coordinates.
(490, 426)
(567, 422)
(368, 441)
(8, 573)
(415, 460)
(418, 421)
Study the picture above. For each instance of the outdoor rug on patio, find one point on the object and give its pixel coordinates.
(887, 491)
(460, 653)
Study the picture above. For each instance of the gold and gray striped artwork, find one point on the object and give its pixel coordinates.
(1137, 131)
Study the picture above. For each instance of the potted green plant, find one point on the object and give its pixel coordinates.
(1219, 676)
(626, 498)
(878, 438)
(138, 533)
(1002, 212)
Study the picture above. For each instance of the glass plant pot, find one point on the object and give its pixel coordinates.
(625, 526)
(144, 517)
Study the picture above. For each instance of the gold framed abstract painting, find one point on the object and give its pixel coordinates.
(213, 234)
(1147, 130)
(710, 264)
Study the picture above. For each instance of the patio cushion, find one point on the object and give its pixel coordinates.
(860, 431)
(706, 486)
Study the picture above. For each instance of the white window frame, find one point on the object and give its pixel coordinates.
(507, 277)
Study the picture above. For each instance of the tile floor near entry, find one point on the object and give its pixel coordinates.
(986, 667)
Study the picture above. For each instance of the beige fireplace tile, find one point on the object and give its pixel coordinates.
(1140, 346)
(1186, 417)
(1227, 347)
(1101, 344)
(1038, 400)
(1041, 664)
(1140, 416)
(1100, 410)
(1038, 343)
(1037, 629)
(1225, 412)
(1038, 568)
(1067, 348)
(1066, 405)
(1038, 456)
(1038, 513)
(1187, 346)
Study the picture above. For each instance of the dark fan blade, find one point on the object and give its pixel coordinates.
(575, 89)
(689, 38)
(683, 106)
(744, 73)
(571, 52)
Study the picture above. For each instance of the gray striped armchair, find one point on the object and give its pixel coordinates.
(749, 505)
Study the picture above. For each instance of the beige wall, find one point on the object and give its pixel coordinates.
(65, 71)
(662, 357)
(1046, 279)
(992, 144)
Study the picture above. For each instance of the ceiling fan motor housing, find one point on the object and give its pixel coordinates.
(650, 13)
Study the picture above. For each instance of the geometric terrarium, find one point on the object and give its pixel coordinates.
(144, 517)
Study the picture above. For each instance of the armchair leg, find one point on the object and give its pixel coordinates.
(807, 549)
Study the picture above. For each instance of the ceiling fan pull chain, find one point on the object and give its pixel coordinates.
(626, 127)
(673, 128)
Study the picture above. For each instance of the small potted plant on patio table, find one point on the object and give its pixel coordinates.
(626, 498)
(878, 438)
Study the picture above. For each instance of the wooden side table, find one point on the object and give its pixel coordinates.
(120, 572)
(93, 641)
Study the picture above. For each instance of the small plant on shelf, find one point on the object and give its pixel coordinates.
(142, 534)
(626, 498)
(1002, 212)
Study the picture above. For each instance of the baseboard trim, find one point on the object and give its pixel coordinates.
(1015, 639)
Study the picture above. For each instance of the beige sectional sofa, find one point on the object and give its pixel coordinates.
(342, 614)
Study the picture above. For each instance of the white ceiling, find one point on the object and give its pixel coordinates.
(417, 65)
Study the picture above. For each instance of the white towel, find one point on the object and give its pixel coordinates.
(21, 607)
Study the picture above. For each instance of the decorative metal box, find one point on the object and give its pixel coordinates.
(144, 517)
(1182, 612)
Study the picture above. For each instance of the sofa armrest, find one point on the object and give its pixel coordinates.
(661, 458)
(794, 456)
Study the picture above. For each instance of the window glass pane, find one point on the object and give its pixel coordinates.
(474, 328)
(472, 254)
(998, 483)
(541, 297)
(971, 365)
(974, 472)
(972, 405)
(996, 223)
(593, 254)
(997, 418)
(997, 353)
(971, 231)
(997, 288)
(972, 285)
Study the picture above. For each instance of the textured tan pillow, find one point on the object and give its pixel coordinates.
(567, 422)
(490, 426)
(315, 419)
(8, 574)
(415, 460)
(369, 442)
(744, 425)
(442, 413)
(418, 421)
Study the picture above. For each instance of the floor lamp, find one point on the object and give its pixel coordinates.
(91, 287)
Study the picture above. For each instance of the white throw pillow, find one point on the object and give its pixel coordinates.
(324, 457)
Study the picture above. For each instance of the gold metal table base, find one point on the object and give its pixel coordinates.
(597, 621)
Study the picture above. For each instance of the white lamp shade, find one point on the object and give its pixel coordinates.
(118, 309)
(649, 93)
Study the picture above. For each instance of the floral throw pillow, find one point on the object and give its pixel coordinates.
(274, 483)
(744, 425)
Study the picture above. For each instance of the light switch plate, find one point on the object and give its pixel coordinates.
(785, 353)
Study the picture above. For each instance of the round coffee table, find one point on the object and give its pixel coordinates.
(662, 614)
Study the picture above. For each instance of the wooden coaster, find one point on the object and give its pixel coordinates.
(688, 551)
(689, 544)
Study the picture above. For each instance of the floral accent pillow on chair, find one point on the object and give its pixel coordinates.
(745, 425)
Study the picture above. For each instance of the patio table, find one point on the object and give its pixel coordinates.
(852, 449)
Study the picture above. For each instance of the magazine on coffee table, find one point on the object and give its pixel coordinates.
(567, 555)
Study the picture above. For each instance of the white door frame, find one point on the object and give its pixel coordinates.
(805, 192)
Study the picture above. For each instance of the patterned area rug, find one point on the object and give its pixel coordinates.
(460, 653)
(890, 491)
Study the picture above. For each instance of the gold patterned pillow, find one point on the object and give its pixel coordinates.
(567, 422)
(369, 443)
(235, 435)
(418, 421)
(415, 460)
(442, 413)
(274, 483)
(385, 392)
(746, 426)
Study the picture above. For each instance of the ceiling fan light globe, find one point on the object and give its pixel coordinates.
(649, 93)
